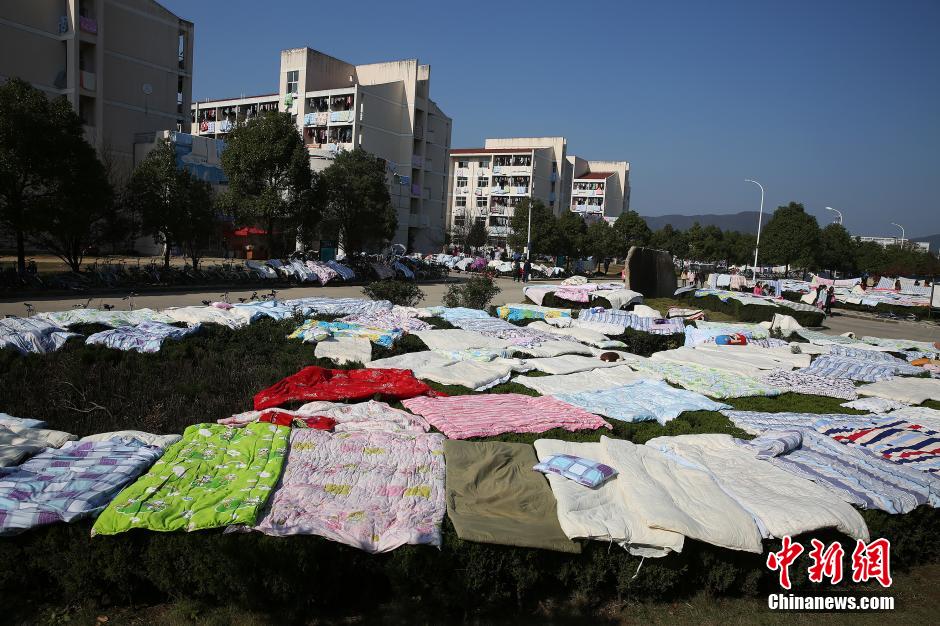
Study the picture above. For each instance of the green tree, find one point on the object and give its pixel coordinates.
(78, 212)
(739, 247)
(172, 206)
(544, 231)
(671, 240)
(33, 131)
(836, 249)
(869, 256)
(476, 236)
(358, 208)
(270, 182)
(570, 229)
(601, 241)
(791, 237)
(629, 230)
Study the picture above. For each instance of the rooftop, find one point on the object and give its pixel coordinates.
(489, 150)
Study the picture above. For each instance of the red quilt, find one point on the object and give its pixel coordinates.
(317, 383)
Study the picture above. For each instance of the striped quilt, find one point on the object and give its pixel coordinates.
(899, 441)
(629, 320)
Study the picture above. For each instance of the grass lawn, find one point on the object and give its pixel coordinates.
(212, 578)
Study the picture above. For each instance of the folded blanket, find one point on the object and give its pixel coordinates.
(213, 477)
(371, 490)
(494, 496)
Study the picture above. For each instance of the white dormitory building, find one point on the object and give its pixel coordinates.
(884, 242)
(485, 184)
(383, 108)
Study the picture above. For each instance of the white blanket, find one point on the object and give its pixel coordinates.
(781, 503)
(474, 375)
(909, 390)
(344, 350)
(584, 335)
(458, 339)
(556, 348)
(744, 364)
(595, 380)
(604, 513)
(568, 364)
(233, 318)
(600, 327)
(618, 298)
(761, 358)
(160, 441)
(641, 310)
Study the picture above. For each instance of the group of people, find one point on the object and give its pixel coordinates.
(763, 289)
(521, 268)
(825, 297)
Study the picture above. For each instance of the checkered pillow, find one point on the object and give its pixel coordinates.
(582, 471)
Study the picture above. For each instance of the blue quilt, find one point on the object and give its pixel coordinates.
(641, 400)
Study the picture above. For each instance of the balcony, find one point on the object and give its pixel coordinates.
(520, 191)
(587, 208)
(88, 25)
(417, 161)
(599, 191)
(341, 117)
(462, 171)
(462, 191)
(88, 80)
(499, 191)
(499, 231)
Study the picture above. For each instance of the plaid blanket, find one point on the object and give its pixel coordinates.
(629, 320)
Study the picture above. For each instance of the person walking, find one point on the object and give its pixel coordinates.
(606, 265)
(830, 298)
(516, 270)
(526, 270)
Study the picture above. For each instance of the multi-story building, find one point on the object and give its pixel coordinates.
(485, 184)
(124, 65)
(383, 108)
(884, 242)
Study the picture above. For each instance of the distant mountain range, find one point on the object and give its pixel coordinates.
(745, 222)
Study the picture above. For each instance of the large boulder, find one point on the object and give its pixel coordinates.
(651, 272)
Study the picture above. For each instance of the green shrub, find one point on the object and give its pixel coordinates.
(753, 312)
(475, 293)
(402, 293)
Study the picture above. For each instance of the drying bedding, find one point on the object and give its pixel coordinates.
(781, 503)
(855, 475)
(568, 364)
(388, 320)
(598, 327)
(18, 442)
(728, 360)
(20, 422)
(909, 390)
(372, 490)
(641, 400)
(316, 330)
(708, 380)
(457, 339)
(345, 350)
(618, 298)
(317, 383)
(807, 383)
(515, 312)
(64, 484)
(146, 337)
(158, 441)
(759, 356)
(584, 335)
(32, 335)
(451, 314)
(213, 477)
(926, 417)
(107, 318)
(230, 317)
(593, 380)
(369, 415)
(874, 405)
(494, 496)
(337, 306)
(628, 320)
(896, 440)
(501, 329)
(271, 308)
(463, 417)
(474, 369)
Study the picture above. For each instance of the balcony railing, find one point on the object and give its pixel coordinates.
(520, 191)
(499, 191)
(88, 25)
(88, 80)
(341, 116)
(463, 191)
(462, 171)
(588, 208)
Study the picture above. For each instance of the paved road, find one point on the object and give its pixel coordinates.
(511, 292)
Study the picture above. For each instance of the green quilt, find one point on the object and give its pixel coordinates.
(214, 476)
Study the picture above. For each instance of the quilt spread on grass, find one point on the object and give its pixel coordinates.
(213, 477)
(32, 335)
(371, 490)
(316, 330)
(317, 383)
(709, 381)
(462, 417)
(629, 320)
(898, 441)
(516, 312)
(641, 400)
(76, 480)
(145, 337)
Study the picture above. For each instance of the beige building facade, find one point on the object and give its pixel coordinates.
(124, 65)
(485, 184)
(384, 108)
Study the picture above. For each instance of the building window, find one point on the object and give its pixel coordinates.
(460, 220)
(482, 203)
(463, 164)
(460, 201)
(292, 77)
(484, 163)
(461, 181)
(483, 181)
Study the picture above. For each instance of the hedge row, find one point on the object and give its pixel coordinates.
(752, 312)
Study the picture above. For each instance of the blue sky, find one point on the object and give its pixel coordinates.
(830, 103)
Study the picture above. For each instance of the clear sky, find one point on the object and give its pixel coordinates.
(826, 102)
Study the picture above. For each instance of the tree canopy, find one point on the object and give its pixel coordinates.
(790, 237)
(357, 206)
(476, 235)
(601, 240)
(544, 233)
(629, 230)
(836, 249)
(270, 182)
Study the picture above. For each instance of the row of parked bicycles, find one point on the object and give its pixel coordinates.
(141, 273)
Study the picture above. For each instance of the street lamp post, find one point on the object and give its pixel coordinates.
(528, 238)
(760, 218)
(902, 232)
(837, 212)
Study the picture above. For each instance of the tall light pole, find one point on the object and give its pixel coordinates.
(760, 218)
(902, 232)
(837, 212)
(528, 238)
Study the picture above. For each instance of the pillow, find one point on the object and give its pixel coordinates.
(737, 339)
(582, 471)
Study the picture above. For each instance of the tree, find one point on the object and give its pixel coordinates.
(671, 240)
(544, 233)
(570, 230)
(172, 205)
(869, 256)
(629, 230)
(791, 236)
(270, 182)
(33, 130)
(358, 208)
(477, 234)
(78, 212)
(836, 249)
(739, 247)
(601, 241)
